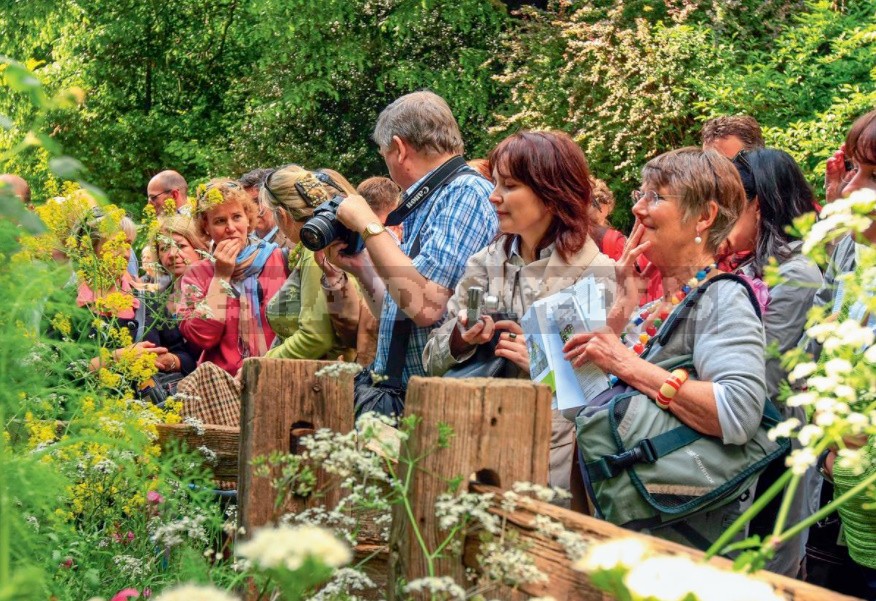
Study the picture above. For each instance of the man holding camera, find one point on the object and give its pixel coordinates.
(447, 217)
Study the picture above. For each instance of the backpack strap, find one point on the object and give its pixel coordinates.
(690, 302)
(649, 450)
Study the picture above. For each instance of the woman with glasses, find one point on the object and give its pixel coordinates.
(300, 313)
(688, 203)
(542, 198)
(224, 298)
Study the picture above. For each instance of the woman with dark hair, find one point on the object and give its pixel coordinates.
(542, 198)
(777, 193)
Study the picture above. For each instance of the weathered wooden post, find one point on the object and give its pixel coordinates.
(277, 395)
(502, 431)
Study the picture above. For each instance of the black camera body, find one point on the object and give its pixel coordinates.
(323, 228)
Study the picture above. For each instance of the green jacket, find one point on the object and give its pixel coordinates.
(299, 313)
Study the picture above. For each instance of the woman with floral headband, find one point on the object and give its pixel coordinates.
(225, 297)
(300, 313)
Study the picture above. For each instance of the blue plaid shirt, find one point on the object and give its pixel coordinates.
(453, 224)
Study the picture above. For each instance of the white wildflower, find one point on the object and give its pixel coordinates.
(870, 355)
(444, 586)
(453, 511)
(542, 493)
(822, 383)
(857, 422)
(801, 399)
(195, 592)
(340, 523)
(844, 391)
(825, 419)
(33, 522)
(821, 331)
(510, 565)
(195, 424)
(801, 460)
(342, 584)
(289, 546)
(809, 433)
(850, 333)
(784, 429)
(802, 370)
(210, 457)
(129, 566)
(835, 368)
(625, 552)
(175, 533)
(707, 583)
(335, 370)
(853, 459)
(664, 578)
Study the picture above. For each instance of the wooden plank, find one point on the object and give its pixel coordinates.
(502, 430)
(566, 583)
(277, 394)
(224, 441)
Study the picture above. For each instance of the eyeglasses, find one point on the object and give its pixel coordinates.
(154, 197)
(651, 197)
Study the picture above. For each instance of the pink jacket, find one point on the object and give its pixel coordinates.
(219, 338)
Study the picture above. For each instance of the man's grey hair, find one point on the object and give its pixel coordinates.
(423, 120)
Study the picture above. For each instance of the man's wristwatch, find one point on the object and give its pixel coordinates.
(372, 229)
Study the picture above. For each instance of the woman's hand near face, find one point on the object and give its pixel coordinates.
(834, 173)
(226, 256)
(512, 344)
(601, 347)
(630, 283)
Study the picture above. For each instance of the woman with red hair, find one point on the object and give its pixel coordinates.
(542, 197)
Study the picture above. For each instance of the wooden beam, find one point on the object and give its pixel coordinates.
(566, 583)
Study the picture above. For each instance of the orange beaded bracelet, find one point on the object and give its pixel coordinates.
(670, 387)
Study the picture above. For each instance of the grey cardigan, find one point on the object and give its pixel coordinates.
(726, 340)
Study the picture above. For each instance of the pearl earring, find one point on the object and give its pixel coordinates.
(698, 239)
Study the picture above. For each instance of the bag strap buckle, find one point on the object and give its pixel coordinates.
(611, 465)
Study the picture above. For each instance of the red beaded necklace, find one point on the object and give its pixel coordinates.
(663, 312)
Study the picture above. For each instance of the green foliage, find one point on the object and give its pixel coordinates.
(328, 68)
(630, 80)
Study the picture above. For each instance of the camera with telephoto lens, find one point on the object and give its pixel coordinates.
(323, 228)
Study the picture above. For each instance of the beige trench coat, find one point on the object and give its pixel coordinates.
(517, 286)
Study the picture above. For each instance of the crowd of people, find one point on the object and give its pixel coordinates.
(392, 288)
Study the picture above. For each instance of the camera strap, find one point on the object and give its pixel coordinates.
(427, 187)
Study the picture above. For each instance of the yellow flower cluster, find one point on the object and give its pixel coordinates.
(207, 198)
(114, 303)
(109, 453)
(61, 323)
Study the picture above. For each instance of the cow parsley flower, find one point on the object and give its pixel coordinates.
(289, 546)
(195, 592)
